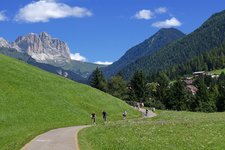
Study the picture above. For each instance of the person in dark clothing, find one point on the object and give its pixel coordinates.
(146, 112)
(104, 115)
(124, 115)
(93, 118)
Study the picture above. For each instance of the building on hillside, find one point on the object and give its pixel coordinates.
(212, 75)
(189, 86)
(192, 89)
(199, 73)
(215, 76)
(203, 73)
(188, 81)
(188, 78)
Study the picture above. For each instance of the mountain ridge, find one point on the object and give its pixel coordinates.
(158, 40)
(208, 36)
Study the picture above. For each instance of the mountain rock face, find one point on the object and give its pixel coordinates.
(49, 54)
(147, 47)
(43, 48)
(4, 43)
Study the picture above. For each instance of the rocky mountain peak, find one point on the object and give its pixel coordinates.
(29, 37)
(43, 48)
(4, 43)
(44, 35)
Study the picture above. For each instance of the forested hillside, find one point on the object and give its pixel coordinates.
(214, 59)
(208, 37)
(160, 39)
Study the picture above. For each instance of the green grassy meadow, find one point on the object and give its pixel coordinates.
(218, 72)
(33, 101)
(170, 130)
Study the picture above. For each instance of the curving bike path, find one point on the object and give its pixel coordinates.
(63, 138)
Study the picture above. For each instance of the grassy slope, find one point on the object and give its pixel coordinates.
(169, 130)
(77, 66)
(218, 72)
(33, 101)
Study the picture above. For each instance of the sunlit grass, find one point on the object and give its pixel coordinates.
(33, 101)
(218, 72)
(170, 130)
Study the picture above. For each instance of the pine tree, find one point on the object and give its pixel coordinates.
(214, 94)
(221, 98)
(221, 79)
(137, 87)
(162, 89)
(220, 104)
(117, 87)
(98, 80)
(163, 79)
(203, 101)
(151, 89)
(178, 97)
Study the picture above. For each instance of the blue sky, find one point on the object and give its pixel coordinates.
(102, 30)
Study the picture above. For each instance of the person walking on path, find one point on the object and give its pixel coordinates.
(124, 115)
(104, 115)
(146, 112)
(138, 106)
(153, 109)
(93, 118)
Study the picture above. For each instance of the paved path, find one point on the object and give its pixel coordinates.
(57, 139)
(63, 138)
(150, 113)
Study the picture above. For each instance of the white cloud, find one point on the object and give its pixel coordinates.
(78, 57)
(44, 10)
(161, 10)
(144, 14)
(103, 63)
(2, 16)
(173, 22)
